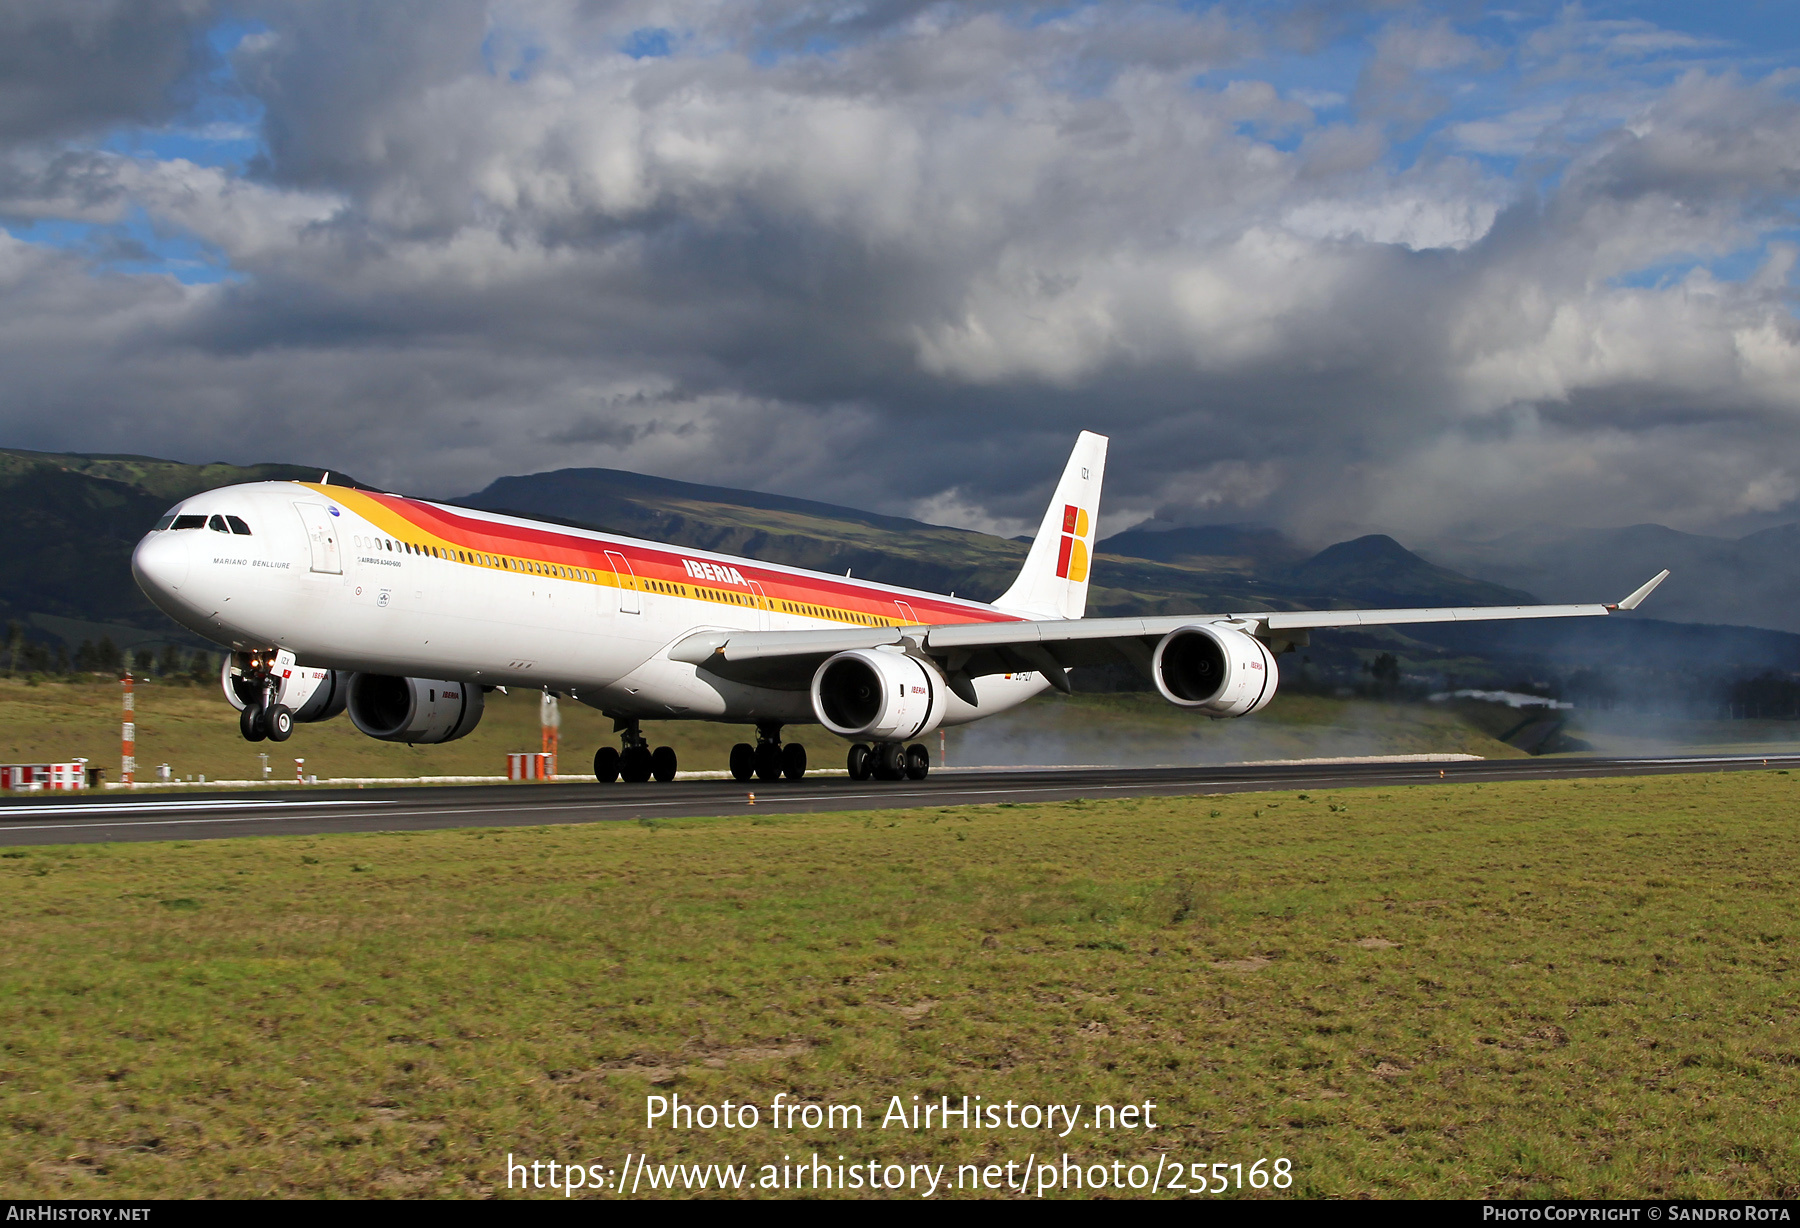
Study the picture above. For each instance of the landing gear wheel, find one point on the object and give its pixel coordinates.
(793, 761)
(743, 761)
(861, 762)
(250, 724)
(918, 762)
(606, 765)
(768, 761)
(662, 763)
(890, 761)
(634, 764)
(280, 723)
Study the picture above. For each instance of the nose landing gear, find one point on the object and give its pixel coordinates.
(262, 717)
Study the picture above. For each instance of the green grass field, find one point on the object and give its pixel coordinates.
(1557, 989)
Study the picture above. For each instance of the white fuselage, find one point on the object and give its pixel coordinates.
(353, 580)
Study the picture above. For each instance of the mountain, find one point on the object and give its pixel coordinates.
(1194, 570)
(73, 521)
(1753, 581)
(773, 528)
(1378, 571)
(823, 537)
(76, 518)
(1246, 548)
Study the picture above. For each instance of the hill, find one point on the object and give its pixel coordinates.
(1180, 571)
(77, 518)
(73, 521)
(1752, 580)
(1218, 547)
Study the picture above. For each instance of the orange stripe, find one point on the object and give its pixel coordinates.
(425, 524)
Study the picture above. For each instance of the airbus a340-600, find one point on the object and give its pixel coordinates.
(406, 613)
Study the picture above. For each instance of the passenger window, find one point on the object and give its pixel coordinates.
(217, 525)
(238, 526)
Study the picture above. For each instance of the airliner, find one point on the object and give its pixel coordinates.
(406, 613)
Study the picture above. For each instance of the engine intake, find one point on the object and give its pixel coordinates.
(418, 711)
(1216, 670)
(881, 696)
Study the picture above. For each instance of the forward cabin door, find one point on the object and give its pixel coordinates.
(627, 583)
(322, 537)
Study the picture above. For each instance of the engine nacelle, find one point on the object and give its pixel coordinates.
(1216, 670)
(419, 711)
(316, 694)
(880, 696)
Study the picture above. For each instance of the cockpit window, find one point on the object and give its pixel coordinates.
(238, 526)
(217, 525)
(189, 522)
(162, 524)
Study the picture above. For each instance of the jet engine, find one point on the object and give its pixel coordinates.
(330, 691)
(418, 711)
(1220, 671)
(880, 696)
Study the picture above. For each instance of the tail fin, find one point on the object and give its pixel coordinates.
(1054, 581)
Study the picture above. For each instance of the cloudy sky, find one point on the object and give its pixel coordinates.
(1434, 269)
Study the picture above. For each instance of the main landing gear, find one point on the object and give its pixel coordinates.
(889, 761)
(768, 759)
(636, 762)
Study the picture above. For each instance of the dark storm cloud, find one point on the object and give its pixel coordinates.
(69, 67)
(898, 259)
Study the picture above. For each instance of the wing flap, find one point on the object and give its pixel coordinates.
(711, 647)
(1302, 620)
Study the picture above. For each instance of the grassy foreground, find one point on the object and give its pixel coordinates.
(1571, 988)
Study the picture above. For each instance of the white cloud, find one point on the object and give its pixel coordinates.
(897, 256)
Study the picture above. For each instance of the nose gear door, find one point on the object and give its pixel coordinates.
(321, 536)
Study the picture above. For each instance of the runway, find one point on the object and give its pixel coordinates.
(89, 820)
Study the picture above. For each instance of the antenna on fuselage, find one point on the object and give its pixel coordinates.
(325, 478)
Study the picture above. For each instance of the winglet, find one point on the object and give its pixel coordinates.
(1631, 602)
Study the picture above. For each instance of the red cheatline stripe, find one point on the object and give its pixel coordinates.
(550, 546)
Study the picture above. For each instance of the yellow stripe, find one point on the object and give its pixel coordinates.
(397, 526)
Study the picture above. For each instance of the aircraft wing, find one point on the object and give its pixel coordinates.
(973, 650)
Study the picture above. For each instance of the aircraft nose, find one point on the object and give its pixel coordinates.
(160, 563)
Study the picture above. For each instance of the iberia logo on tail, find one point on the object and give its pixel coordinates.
(1072, 559)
